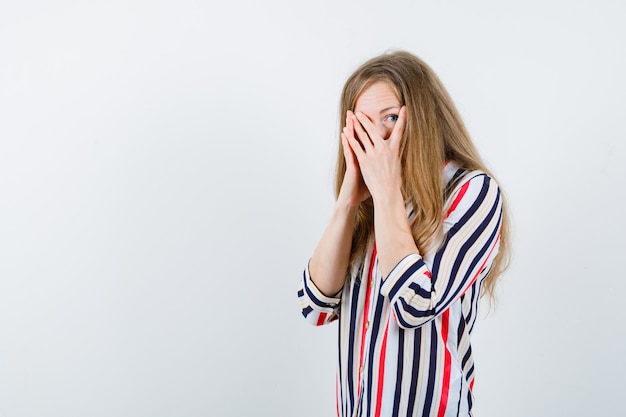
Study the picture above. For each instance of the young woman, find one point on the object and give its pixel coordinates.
(417, 235)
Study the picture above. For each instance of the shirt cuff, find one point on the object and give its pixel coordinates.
(411, 272)
(315, 295)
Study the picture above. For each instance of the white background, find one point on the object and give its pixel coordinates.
(166, 170)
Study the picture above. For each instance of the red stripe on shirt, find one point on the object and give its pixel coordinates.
(321, 319)
(381, 371)
(366, 310)
(458, 198)
(445, 388)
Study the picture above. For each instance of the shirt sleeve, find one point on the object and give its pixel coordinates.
(471, 229)
(317, 308)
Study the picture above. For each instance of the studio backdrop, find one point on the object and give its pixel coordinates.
(166, 170)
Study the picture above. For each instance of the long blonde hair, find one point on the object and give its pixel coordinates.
(434, 133)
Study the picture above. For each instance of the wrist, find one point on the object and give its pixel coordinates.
(391, 196)
(345, 208)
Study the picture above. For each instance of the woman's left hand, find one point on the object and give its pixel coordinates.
(379, 158)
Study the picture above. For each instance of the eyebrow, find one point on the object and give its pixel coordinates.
(386, 109)
(389, 108)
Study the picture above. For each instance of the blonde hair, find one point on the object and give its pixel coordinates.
(434, 133)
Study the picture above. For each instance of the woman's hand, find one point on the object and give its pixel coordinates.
(329, 264)
(353, 189)
(377, 158)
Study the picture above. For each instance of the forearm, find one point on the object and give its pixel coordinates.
(394, 240)
(329, 264)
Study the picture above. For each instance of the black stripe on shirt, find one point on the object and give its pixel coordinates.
(417, 342)
(432, 370)
(400, 367)
(352, 341)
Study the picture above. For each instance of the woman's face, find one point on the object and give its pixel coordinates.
(381, 105)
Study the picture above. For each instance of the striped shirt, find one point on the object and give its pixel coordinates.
(404, 339)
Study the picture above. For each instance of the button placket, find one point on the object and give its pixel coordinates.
(366, 324)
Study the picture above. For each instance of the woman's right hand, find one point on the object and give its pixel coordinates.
(329, 264)
(353, 189)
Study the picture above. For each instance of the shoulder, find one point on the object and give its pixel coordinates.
(455, 177)
(465, 188)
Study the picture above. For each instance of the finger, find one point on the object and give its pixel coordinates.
(347, 132)
(350, 123)
(344, 143)
(348, 139)
(398, 129)
(348, 154)
(348, 128)
(357, 148)
(369, 127)
(362, 135)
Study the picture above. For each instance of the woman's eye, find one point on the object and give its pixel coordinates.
(391, 118)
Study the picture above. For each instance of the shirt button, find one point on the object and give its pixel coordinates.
(362, 368)
(367, 325)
